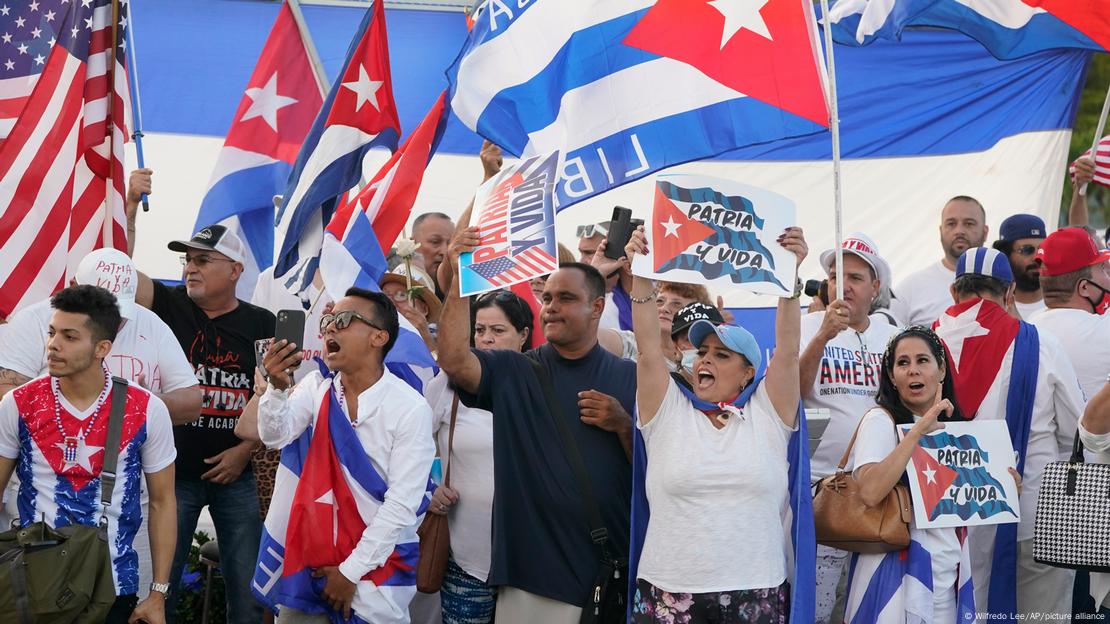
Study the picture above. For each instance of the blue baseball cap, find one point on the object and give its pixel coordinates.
(1021, 226)
(734, 337)
(986, 262)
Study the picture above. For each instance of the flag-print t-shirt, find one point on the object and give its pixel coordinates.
(221, 352)
(66, 490)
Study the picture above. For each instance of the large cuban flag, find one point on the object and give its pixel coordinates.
(1008, 28)
(358, 114)
(623, 88)
(278, 106)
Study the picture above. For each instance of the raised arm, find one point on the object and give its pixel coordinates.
(138, 184)
(835, 320)
(283, 416)
(455, 357)
(652, 378)
(1077, 210)
(782, 371)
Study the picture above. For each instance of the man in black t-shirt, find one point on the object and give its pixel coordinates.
(542, 559)
(217, 332)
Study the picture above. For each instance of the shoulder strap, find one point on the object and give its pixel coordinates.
(451, 439)
(598, 533)
(111, 445)
(852, 441)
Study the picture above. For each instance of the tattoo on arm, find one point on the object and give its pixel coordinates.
(8, 377)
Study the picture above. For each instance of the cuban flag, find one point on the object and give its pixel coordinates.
(358, 114)
(623, 88)
(797, 519)
(1008, 28)
(325, 495)
(273, 118)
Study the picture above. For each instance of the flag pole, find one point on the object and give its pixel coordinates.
(109, 218)
(1098, 135)
(834, 127)
(136, 103)
(310, 48)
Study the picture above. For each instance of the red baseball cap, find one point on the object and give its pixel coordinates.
(1067, 250)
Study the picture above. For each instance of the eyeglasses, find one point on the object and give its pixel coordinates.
(343, 320)
(591, 229)
(1027, 250)
(202, 261)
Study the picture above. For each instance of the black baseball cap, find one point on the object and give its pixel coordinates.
(214, 238)
(696, 311)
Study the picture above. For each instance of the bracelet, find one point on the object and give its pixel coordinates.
(648, 299)
(798, 288)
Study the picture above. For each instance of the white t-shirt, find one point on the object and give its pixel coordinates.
(1028, 310)
(471, 476)
(272, 296)
(144, 346)
(846, 384)
(1085, 338)
(875, 441)
(717, 497)
(610, 315)
(1098, 450)
(922, 297)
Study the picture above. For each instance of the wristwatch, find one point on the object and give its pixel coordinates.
(161, 588)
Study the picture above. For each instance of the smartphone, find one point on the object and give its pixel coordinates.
(620, 230)
(290, 326)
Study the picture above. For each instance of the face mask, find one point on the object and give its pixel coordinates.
(1103, 302)
(688, 357)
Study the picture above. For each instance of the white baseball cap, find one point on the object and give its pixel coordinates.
(214, 238)
(113, 271)
(861, 245)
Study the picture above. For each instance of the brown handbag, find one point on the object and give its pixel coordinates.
(842, 520)
(434, 533)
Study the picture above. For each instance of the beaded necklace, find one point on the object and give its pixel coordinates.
(74, 450)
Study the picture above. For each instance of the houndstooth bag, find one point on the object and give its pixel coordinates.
(1073, 515)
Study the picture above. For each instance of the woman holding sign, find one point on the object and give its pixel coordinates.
(914, 389)
(714, 549)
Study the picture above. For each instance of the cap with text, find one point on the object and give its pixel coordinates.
(214, 238)
(113, 271)
(1067, 250)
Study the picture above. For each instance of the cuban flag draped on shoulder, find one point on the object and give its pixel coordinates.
(1008, 28)
(623, 88)
(358, 114)
(276, 112)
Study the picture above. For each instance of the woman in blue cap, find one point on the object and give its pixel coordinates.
(716, 478)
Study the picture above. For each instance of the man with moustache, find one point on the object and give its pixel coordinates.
(922, 297)
(1020, 237)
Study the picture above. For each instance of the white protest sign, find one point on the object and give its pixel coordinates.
(718, 233)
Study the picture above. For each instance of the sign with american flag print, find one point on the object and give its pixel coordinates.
(515, 215)
(959, 476)
(720, 233)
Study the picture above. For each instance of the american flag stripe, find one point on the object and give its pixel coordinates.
(1102, 162)
(528, 264)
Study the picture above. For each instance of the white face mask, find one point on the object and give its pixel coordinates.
(688, 357)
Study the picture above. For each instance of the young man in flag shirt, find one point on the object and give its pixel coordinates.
(343, 524)
(53, 430)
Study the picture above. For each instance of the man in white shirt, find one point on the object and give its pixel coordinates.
(393, 425)
(1020, 236)
(975, 332)
(842, 350)
(1075, 279)
(920, 298)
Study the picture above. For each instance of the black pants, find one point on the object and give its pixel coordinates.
(122, 609)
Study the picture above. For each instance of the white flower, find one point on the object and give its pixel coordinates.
(406, 248)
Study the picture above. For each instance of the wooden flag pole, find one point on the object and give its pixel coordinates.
(834, 128)
(1098, 134)
(313, 55)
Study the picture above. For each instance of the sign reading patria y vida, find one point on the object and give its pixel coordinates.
(959, 476)
(719, 233)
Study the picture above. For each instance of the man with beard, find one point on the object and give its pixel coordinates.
(1021, 236)
(922, 297)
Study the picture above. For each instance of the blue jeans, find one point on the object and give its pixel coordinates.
(234, 510)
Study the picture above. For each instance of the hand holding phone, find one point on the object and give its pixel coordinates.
(290, 327)
(620, 230)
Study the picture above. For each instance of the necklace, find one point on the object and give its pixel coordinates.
(341, 397)
(74, 450)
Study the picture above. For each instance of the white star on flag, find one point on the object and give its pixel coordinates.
(266, 102)
(954, 330)
(328, 498)
(84, 455)
(741, 14)
(930, 475)
(365, 89)
(671, 227)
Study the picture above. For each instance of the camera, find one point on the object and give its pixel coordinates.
(818, 289)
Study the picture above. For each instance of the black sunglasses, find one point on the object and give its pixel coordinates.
(343, 320)
(1026, 250)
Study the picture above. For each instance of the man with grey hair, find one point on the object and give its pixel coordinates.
(433, 230)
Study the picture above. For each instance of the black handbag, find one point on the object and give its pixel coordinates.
(608, 600)
(1073, 513)
(64, 574)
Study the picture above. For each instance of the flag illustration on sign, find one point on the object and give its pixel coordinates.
(504, 270)
(962, 485)
(711, 233)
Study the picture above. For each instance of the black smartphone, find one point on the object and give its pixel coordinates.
(290, 326)
(620, 230)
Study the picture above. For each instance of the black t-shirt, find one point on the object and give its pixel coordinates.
(541, 541)
(221, 351)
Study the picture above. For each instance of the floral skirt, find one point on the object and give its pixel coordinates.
(749, 606)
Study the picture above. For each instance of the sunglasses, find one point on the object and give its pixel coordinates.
(590, 229)
(343, 320)
(1026, 250)
(202, 261)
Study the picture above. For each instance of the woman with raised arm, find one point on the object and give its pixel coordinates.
(717, 470)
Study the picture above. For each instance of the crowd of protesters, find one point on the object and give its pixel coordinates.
(539, 401)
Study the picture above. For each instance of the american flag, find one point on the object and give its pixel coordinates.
(1102, 162)
(508, 270)
(61, 165)
(27, 37)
